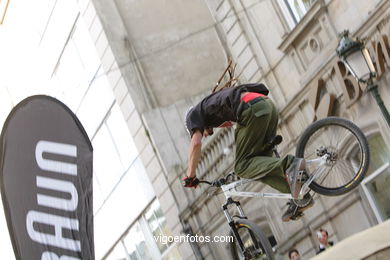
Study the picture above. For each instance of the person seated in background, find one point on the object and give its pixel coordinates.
(322, 236)
(293, 254)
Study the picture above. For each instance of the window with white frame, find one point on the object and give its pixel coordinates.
(376, 185)
(295, 10)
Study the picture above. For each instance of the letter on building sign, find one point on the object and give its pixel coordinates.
(321, 101)
(382, 55)
(348, 83)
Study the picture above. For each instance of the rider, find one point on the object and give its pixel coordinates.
(256, 116)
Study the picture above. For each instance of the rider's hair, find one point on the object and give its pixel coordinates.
(232, 81)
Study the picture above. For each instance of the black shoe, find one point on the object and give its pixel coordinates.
(295, 212)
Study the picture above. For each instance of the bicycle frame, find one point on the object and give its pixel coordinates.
(230, 189)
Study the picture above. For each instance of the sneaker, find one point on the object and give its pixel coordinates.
(291, 211)
(295, 175)
(295, 212)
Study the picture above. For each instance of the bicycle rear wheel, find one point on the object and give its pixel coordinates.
(257, 245)
(347, 151)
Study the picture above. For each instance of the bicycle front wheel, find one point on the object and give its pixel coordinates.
(346, 150)
(256, 244)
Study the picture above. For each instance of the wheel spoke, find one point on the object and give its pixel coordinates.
(324, 176)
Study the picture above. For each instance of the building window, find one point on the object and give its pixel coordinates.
(158, 225)
(141, 242)
(135, 244)
(376, 185)
(295, 10)
(118, 253)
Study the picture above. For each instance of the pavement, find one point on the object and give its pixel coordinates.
(360, 245)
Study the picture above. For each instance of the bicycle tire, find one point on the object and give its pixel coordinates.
(259, 235)
(362, 144)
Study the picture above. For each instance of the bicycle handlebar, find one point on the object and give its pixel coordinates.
(218, 182)
(207, 182)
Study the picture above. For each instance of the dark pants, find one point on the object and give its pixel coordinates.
(256, 125)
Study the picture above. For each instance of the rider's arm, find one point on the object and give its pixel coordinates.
(194, 153)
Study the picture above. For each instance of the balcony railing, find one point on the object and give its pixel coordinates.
(217, 154)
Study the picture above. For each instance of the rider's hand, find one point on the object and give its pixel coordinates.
(190, 182)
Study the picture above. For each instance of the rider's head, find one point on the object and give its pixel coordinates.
(207, 130)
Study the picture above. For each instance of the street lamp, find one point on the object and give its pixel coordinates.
(356, 58)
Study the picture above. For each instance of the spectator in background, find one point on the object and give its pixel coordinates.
(322, 235)
(293, 254)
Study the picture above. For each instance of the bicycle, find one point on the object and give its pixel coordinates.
(330, 145)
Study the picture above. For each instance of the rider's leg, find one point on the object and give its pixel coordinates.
(270, 171)
(256, 125)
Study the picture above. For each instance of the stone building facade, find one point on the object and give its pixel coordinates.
(164, 56)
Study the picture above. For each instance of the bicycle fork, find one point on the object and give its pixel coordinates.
(317, 173)
(232, 223)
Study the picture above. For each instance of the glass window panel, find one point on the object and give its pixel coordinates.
(173, 254)
(71, 76)
(379, 187)
(121, 136)
(295, 9)
(298, 8)
(157, 224)
(95, 104)
(54, 36)
(44, 8)
(107, 165)
(98, 196)
(118, 253)
(88, 55)
(136, 245)
(129, 198)
(380, 154)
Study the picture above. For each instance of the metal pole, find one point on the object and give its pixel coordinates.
(373, 88)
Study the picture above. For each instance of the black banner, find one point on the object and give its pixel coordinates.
(46, 181)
